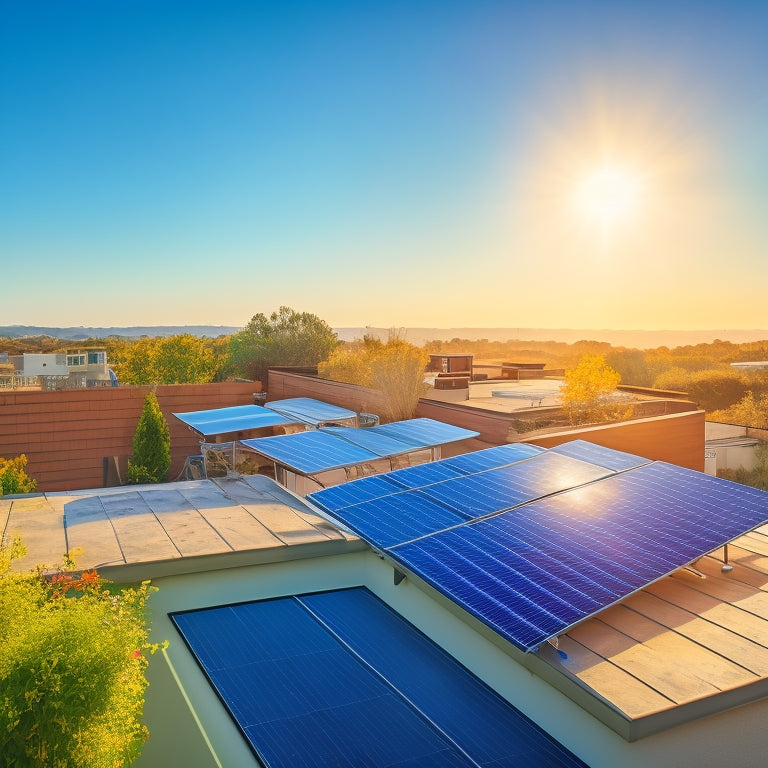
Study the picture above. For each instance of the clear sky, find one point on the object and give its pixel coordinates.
(386, 163)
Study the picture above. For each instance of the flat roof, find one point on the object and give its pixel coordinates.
(157, 530)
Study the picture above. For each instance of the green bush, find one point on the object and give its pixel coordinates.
(13, 476)
(151, 445)
(72, 671)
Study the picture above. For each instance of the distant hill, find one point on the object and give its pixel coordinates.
(81, 332)
(637, 339)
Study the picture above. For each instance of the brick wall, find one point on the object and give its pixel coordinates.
(67, 434)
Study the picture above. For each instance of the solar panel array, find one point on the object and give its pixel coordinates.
(545, 541)
(328, 678)
(237, 418)
(329, 448)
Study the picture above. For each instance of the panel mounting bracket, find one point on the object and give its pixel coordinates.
(399, 576)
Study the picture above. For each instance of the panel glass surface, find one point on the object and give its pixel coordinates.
(424, 433)
(489, 458)
(598, 454)
(310, 452)
(327, 679)
(533, 572)
(219, 421)
(371, 439)
(309, 410)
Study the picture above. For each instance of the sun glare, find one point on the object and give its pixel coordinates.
(609, 196)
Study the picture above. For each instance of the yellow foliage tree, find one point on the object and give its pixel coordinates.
(587, 395)
(396, 369)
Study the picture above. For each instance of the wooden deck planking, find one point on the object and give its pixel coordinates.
(91, 539)
(187, 528)
(286, 524)
(625, 691)
(669, 676)
(41, 529)
(141, 536)
(238, 527)
(722, 641)
(698, 660)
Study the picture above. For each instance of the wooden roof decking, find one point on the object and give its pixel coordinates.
(685, 646)
(160, 529)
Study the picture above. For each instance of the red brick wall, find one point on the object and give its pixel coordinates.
(66, 434)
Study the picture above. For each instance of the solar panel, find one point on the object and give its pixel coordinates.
(327, 679)
(598, 454)
(533, 572)
(368, 488)
(397, 516)
(310, 411)
(489, 458)
(238, 418)
(310, 452)
(370, 439)
(424, 433)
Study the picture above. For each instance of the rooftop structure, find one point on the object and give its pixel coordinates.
(651, 678)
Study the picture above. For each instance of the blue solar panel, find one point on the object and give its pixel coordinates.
(310, 452)
(424, 433)
(598, 454)
(238, 418)
(490, 458)
(370, 439)
(533, 572)
(310, 411)
(368, 488)
(496, 489)
(327, 679)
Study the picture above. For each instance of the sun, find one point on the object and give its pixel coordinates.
(609, 196)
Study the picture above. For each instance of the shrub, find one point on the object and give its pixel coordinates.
(13, 477)
(72, 671)
(151, 445)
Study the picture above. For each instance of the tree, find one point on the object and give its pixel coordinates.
(286, 337)
(13, 476)
(151, 445)
(587, 395)
(750, 411)
(396, 369)
(712, 389)
(181, 359)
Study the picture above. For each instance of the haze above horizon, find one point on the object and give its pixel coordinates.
(463, 164)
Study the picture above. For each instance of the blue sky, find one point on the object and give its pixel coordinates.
(384, 163)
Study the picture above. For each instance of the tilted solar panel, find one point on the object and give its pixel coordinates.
(533, 572)
(370, 439)
(368, 488)
(219, 421)
(598, 454)
(311, 411)
(490, 458)
(310, 452)
(424, 433)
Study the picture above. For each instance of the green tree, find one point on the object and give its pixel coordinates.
(151, 445)
(713, 389)
(286, 337)
(181, 359)
(630, 364)
(587, 396)
(396, 369)
(72, 670)
(13, 476)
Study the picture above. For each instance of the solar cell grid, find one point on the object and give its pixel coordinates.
(370, 439)
(310, 452)
(326, 679)
(598, 454)
(490, 458)
(424, 433)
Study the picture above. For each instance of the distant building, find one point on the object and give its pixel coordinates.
(77, 367)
